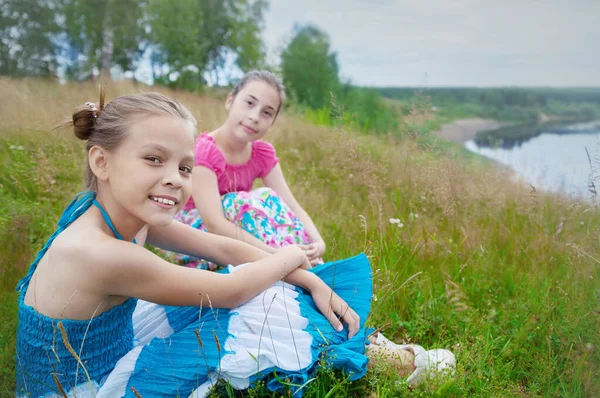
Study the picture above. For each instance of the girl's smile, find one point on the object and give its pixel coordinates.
(248, 129)
(166, 202)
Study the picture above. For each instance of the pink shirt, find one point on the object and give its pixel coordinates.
(233, 177)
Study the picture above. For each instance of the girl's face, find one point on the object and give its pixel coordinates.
(252, 111)
(149, 174)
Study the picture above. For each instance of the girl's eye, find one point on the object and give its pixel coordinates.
(186, 169)
(268, 114)
(153, 159)
(250, 103)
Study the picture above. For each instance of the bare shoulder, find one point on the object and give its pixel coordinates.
(89, 245)
(75, 265)
(83, 245)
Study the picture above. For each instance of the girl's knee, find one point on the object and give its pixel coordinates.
(265, 190)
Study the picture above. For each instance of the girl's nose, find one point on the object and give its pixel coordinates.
(173, 178)
(254, 114)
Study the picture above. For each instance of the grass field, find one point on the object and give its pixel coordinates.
(505, 276)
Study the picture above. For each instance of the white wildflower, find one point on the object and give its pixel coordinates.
(395, 221)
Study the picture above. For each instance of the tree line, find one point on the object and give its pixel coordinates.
(186, 39)
(509, 103)
(185, 42)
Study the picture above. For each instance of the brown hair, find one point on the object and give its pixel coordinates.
(263, 76)
(107, 126)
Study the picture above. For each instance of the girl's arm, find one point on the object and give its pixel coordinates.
(124, 269)
(276, 181)
(185, 239)
(332, 306)
(182, 238)
(205, 191)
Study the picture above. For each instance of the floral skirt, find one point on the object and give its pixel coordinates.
(260, 212)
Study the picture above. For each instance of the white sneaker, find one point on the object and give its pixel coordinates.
(428, 363)
(380, 339)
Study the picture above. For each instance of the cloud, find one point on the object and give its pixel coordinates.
(452, 42)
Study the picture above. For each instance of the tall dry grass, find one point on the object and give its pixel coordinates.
(505, 275)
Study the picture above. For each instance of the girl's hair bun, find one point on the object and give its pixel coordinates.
(85, 117)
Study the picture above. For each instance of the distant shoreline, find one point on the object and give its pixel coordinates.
(506, 134)
(463, 130)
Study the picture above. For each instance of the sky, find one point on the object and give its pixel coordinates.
(435, 43)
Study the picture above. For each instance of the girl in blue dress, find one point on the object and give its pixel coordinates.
(101, 316)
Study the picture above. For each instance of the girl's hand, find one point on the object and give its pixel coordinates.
(295, 250)
(315, 251)
(307, 263)
(335, 309)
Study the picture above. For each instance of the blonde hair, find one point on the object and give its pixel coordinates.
(262, 76)
(107, 126)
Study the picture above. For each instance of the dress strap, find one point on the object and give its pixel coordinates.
(108, 220)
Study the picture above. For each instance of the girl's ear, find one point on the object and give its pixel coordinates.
(229, 101)
(98, 160)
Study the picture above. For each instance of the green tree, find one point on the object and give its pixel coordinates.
(29, 31)
(193, 37)
(246, 41)
(310, 68)
(367, 111)
(103, 33)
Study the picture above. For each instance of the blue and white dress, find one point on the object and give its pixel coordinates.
(153, 350)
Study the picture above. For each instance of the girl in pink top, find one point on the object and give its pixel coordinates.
(227, 162)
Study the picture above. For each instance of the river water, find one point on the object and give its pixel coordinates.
(554, 161)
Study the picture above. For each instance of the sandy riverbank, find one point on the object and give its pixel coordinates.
(465, 129)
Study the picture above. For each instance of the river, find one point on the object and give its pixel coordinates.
(553, 161)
